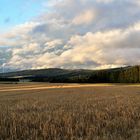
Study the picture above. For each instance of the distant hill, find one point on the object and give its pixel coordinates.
(7, 70)
(130, 74)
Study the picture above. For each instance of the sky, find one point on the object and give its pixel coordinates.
(71, 34)
(17, 12)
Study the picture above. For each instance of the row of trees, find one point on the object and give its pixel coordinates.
(121, 75)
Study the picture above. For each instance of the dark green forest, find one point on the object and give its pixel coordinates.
(130, 74)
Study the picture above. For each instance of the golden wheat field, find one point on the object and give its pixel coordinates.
(69, 112)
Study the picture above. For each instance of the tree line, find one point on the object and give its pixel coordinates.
(129, 74)
(121, 75)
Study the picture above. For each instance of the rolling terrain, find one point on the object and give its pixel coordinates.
(129, 74)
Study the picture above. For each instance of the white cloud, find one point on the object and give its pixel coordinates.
(86, 17)
(54, 43)
(105, 1)
(27, 49)
(77, 34)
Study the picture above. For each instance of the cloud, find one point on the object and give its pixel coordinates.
(105, 1)
(77, 34)
(86, 17)
(93, 50)
(110, 48)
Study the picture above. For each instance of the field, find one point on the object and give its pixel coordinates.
(69, 112)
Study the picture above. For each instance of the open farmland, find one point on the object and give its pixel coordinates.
(69, 112)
